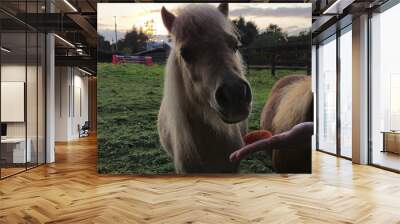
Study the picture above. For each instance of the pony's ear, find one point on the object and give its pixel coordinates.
(224, 8)
(168, 18)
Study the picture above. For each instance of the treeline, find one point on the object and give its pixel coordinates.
(270, 47)
(133, 42)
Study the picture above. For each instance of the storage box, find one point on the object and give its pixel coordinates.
(391, 142)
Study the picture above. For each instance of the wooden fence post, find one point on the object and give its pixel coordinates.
(308, 69)
(246, 55)
(273, 63)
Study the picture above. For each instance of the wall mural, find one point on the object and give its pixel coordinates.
(204, 88)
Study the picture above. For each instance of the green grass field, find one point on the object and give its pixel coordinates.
(129, 96)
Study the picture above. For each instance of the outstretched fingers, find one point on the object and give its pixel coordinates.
(254, 147)
(297, 137)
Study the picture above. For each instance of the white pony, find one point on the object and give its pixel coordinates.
(207, 99)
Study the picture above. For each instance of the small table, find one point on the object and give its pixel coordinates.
(391, 141)
(16, 154)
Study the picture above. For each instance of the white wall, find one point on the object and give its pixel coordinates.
(62, 82)
(33, 126)
(13, 72)
(17, 73)
(13, 101)
(70, 83)
(9, 73)
(81, 82)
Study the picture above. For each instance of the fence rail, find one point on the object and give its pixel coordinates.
(288, 67)
(291, 56)
(294, 56)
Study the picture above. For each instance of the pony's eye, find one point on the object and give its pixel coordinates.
(186, 54)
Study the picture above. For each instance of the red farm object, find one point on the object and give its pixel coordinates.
(118, 59)
(148, 60)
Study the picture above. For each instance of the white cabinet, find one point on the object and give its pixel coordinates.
(19, 155)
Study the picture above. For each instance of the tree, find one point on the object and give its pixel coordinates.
(272, 36)
(133, 41)
(149, 28)
(247, 30)
(103, 45)
(104, 50)
(303, 36)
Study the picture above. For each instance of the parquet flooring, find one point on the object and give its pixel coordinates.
(8, 171)
(70, 191)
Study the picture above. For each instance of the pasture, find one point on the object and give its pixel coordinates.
(129, 96)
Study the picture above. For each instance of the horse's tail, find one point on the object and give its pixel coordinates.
(290, 103)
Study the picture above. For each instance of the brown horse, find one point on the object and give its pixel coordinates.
(287, 114)
(207, 100)
(290, 103)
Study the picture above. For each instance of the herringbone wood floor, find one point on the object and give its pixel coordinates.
(70, 191)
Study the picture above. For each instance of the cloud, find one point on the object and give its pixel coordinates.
(157, 10)
(174, 10)
(295, 30)
(109, 34)
(272, 12)
(104, 25)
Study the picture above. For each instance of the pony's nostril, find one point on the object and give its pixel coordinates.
(222, 96)
(247, 92)
(233, 94)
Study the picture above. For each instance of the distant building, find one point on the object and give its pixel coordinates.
(150, 45)
(159, 51)
(158, 41)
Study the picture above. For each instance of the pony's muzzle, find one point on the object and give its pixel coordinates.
(233, 98)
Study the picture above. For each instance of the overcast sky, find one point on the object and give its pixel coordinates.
(291, 17)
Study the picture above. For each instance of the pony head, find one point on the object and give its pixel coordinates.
(206, 53)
